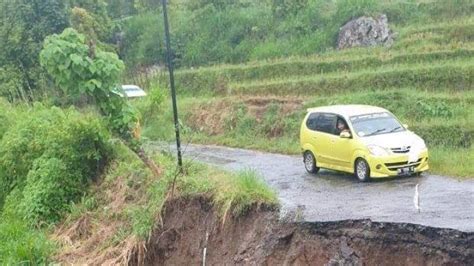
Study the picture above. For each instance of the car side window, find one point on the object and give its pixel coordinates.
(326, 123)
(341, 126)
(312, 121)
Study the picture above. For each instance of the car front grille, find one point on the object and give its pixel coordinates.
(398, 165)
(401, 149)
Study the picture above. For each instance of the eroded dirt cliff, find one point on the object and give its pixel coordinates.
(192, 231)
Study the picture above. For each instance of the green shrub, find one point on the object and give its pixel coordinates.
(50, 188)
(51, 155)
(143, 44)
(5, 117)
(151, 105)
(433, 109)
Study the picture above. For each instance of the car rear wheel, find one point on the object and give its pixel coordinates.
(310, 162)
(362, 170)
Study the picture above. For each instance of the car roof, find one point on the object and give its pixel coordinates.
(128, 87)
(348, 110)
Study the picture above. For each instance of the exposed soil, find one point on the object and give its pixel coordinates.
(212, 117)
(258, 105)
(260, 238)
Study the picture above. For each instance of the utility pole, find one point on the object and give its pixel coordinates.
(173, 89)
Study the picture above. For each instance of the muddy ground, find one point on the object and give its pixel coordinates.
(330, 196)
(192, 226)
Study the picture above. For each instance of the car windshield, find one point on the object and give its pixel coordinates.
(375, 124)
(131, 89)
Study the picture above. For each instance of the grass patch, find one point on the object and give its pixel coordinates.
(233, 193)
(21, 244)
(452, 162)
(243, 190)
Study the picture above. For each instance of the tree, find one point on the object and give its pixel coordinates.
(82, 69)
(121, 8)
(24, 25)
(79, 68)
(90, 17)
(145, 5)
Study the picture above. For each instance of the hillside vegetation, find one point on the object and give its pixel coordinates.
(72, 192)
(209, 32)
(426, 78)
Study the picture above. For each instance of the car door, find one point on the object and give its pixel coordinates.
(340, 151)
(325, 124)
(312, 136)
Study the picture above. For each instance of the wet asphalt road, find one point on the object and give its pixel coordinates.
(330, 196)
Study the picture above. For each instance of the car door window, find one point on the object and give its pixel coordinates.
(326, 123)
(312, 121)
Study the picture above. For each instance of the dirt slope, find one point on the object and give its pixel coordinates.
(260, 238)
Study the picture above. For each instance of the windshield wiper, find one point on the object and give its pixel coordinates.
(376, 131)
(394, 129)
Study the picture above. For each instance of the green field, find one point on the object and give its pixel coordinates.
(426, 78)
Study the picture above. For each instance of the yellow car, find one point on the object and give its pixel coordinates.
(365, 140)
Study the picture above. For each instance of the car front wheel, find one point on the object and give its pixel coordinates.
(310, 162)
(362, 170)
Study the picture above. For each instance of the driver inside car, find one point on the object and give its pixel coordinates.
(341, 126)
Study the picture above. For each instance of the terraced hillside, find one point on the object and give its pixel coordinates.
(433, 57)
(426, 78)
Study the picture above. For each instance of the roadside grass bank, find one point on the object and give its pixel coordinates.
(272, 123)
(70, 192)
(117, 215)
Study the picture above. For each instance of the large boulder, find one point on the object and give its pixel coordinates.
(365, 31)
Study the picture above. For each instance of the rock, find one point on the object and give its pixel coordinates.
(345, 256)
(365, 31)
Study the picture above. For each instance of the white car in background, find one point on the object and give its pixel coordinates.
(131, 91)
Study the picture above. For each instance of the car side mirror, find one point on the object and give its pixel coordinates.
(405, 125)
(345, 135)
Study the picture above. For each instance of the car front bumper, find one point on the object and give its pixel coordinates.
(386, 166)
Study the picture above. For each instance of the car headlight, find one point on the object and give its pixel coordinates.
(378, 150)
